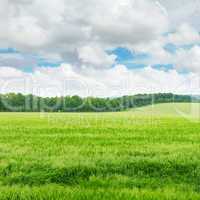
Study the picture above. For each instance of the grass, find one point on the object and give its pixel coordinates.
(186, 110)
(148, 153)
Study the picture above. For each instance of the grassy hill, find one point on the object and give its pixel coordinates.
(186, 110)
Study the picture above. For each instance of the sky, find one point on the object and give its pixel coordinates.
(103, 48)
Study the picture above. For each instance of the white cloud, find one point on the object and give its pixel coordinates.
(155, 48)
(184, 35)
(188, 59)
(25, 32)
(116, 81)
(17, 60)
(9, 72)
(62, 26)
(80, 32)
(95, 57)
(182, 11)
(182, 57)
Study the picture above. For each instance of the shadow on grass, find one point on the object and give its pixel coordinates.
(36, 174)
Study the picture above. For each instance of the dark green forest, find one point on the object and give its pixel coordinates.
(29, 103)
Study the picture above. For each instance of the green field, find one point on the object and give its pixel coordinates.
(146, 153)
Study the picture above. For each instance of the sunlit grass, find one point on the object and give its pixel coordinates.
(127, 155)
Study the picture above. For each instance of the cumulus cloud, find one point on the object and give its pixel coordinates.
(185, 41)
(80, 33)
(112, 82)
(180, 11)
(184, 35)
(155, 48)
(62, 26)
(95, 57)
(188, 59)
(17, 60)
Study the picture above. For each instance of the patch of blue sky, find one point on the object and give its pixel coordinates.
(129, 58)
(28, 69)
(167, 33)
(8, 50)
(167, 67)
(126, 54)
(24, 61)
(42, 62)
(172, 48)
(184, 71)
(135, 60)
(133, 65)
(164, 67)
(188, 46)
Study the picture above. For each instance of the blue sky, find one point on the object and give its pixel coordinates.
(138, 46)
(124, 56)
(130, 59)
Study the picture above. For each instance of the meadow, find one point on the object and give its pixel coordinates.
(147, 153)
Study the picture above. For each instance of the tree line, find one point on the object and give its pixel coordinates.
(29, 103)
